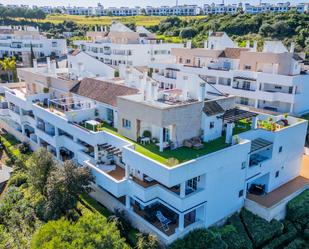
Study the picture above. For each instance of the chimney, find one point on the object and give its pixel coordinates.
(35, 64)
(53, 67)
(144, 86)
(292, 48)
(155, 93)
(202, 91)
(205, 44)
(189, 44)
(48, 63)
(255, 46)
(79, 68)
(247, 44)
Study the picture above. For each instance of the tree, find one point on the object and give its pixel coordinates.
(147, 241)
(40, 164)
(90, 231)
(266, 30)
(188, 32)
(8, 65)
(64, 185)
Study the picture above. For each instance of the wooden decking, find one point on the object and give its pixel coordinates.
(280, 193)
(297, 184)
(118, 173)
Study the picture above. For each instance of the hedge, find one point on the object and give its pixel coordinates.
(289, 235)
(298, 209)
(237, 239)
(297, 244)
(259, 229)
(200, 238)
(10, 144)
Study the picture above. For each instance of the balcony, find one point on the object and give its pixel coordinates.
(109, 177)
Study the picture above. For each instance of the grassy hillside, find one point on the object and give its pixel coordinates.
(107, 20)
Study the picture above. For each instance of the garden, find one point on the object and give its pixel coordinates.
(47, 206)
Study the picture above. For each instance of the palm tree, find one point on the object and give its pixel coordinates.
(8, 65)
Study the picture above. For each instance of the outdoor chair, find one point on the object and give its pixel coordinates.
(163, 220)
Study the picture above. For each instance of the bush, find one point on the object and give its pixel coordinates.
(146, 133)
(200, 238)
(237, 238)
(259, 229)
(297, 244)
(18, 180)
(284, 239)
(147, 241)
(24, 148)
(124, 226)
(187, 32)
(298, 209)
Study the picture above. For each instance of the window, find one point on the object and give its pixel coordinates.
(277, 174)
(247, 67)
(188, 61)
(241, 193)
(180, 60)
(243, 165)
(280, 149)
(193, 183)
(211, 125)
(126, 123)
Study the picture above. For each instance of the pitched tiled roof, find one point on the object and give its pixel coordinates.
(212, 108)
(233, 53)
(297, 57)
(102, 91)
(75, 52)
(217, 34)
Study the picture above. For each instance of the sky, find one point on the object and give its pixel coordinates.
(131, 3)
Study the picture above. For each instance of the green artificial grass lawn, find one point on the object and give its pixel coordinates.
(181, 154)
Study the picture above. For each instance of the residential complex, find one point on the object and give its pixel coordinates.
(274, 79)
(175, 157)
(121, 45)
(178, 10)
(18, 41)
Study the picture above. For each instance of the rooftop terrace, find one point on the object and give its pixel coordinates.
(171, 157)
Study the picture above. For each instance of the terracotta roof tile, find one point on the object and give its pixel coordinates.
(233, 53)
(102, 91)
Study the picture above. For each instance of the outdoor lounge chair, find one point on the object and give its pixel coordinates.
(163, 220)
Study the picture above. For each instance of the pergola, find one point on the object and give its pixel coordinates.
(70, 103)
(230, 117)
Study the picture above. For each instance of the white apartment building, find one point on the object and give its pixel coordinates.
(220, 9)
(120, 127)
(120, 45)
(275, 8)
(179, 10)
(87, 11)
(17, 41)
(274, 79)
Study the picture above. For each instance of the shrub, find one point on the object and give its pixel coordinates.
(18, 180)
(187, 32)
(24, 148)
(200, 238)
(298, 209)
(297, 244)
(259, 229)
(284, 239)
(237, 238)
(147, 241)
(146, 133)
